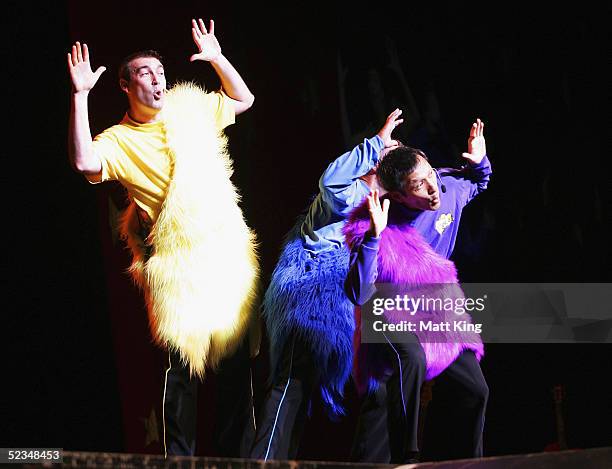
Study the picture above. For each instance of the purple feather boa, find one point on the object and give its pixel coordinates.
(406, 258)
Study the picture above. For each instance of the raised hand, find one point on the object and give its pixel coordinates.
(477, 148)
(81, 74)
(378, 214)
(391, 123)
(206, 41)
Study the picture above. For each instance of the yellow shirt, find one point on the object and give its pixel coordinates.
(137, 155)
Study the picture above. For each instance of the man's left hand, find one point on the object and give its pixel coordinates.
(393, 120)
(477, 148)
(206, 41)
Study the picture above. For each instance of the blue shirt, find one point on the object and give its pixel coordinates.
(340, 191)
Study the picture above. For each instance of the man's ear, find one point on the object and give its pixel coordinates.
(123, 84)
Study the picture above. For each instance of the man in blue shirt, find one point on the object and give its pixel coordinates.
(309, 319)
(431, 203)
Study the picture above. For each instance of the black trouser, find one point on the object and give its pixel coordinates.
(387, 429)
(284, 413)
(233, 427)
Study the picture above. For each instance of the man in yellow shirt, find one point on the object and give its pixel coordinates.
(170, 153)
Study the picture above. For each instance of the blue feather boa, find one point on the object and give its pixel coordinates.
(306, 298)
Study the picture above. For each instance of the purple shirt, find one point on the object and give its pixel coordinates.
(438, 227)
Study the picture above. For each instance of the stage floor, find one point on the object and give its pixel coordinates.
(595, 458)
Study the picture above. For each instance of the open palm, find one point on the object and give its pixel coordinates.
(82, 76)
(477, 148)
(393, 120)
(378, 213)
(205, 40)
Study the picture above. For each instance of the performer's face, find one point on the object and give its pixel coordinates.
(147, 85)
(421, 188)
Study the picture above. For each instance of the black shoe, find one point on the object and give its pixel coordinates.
(412, 457)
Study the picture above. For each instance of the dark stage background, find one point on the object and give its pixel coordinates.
(82, 373)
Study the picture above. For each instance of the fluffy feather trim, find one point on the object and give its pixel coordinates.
(305, 297)
(200, 282)
(405, 258)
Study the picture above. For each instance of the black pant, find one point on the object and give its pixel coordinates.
(387, 429)
(284, 413)
(233, 427)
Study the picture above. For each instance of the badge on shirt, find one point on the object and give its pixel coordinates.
(443, 222)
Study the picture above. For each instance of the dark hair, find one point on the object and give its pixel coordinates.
(124, 70)
(394, 167)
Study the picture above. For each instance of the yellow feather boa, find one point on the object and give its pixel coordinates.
(200, 282)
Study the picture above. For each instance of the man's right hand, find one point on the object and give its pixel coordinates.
(378, 213)
(81, 74)
(391, 123)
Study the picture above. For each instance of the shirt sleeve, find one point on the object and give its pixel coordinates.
(336, 182)
(107, 149)
(476, 179)
(222, 108)
(363, 270)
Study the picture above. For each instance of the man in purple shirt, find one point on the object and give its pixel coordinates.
(431, 202)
